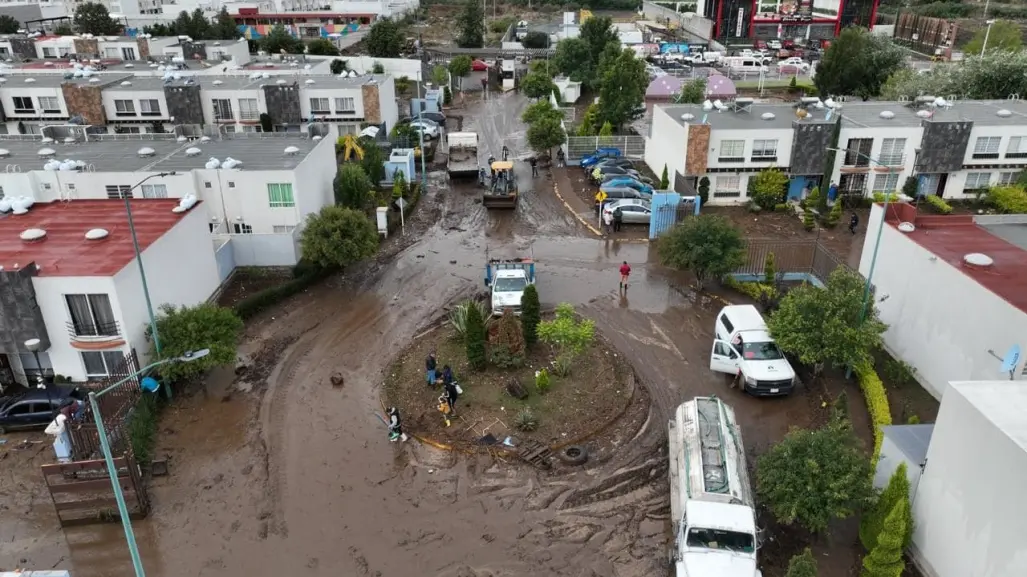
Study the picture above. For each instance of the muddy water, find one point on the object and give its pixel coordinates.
(303, 478)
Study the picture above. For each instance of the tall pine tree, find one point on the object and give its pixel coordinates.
(531, 314)
(474, 339)
(885, 560)
(873, 520)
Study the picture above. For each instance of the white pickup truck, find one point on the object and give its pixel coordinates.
(506, 280)
(711, 502)
(743, 347)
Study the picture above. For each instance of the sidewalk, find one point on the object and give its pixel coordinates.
(581, 210)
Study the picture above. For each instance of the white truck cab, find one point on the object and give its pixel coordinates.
(506, 281)
(711, 502)
(743, 345)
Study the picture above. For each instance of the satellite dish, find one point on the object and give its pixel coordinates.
(707, 105)
(1011, 360)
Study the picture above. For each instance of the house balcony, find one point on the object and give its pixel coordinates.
(95, 336)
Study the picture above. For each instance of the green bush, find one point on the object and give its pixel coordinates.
(531, 315)
(253, 304)
(474, 339)
(458, 316)
(1008, 199)
(542, 381)
(526, 420)
(808, 222)
(834, 215)
(802, 564)
(781, 207)
(812, 199)
(563, 364)
(769, 270)
(898, 373)
(877, 403)
(872, 521)
(937, 204)
(882, 197)
(142, 429)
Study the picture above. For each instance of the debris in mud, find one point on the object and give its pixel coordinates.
(336, 379)
(266, 359)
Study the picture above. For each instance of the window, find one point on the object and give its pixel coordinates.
(1017, 147)
(231, 184)
(124, 108)
(91, 315)
(112, 53)
(282, 229)
(977, 181)
(155, 190)
(1, 192)
(248, 109)
(23, 104)
(727, 185)
(49, 53)
(222, 109)
(345, 106)
(987, 147)
(891, 151)
(119, 191)
(229, 129)
(732, 151)
(280, 195)
(49, 105)
(103, 363)
(319, 106)
(128, 53)
(206, 184)
(149, 107)
(764, 150)
(1003, 178)
(857, 151)
(886, 182)
(242, 228)
(727, 324)
(852, 184)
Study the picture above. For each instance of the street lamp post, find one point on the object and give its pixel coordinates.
(139, 257)
(108, 457)
(987, 33)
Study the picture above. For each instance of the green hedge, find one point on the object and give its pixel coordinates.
(305, 276)
(1008, 199)
(937, 204)
(757, 291)
(877, 403)
(412, 198)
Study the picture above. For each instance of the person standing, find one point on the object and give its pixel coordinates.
(625, 272)
(58, 429)
(618, 220)
(395, 426)
(560, 160)
(853, 223)
(451, 390)
(607, 222)
(506, 153)
(429, 368)
(534, 166)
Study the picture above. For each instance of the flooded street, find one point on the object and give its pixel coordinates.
(296, 475)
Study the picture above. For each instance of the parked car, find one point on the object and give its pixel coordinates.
(792, 65)
(600, 171)
(436, 117)
(774, 44)
(639, 178)
(35, 408)
(632, 210)
(621, 162)
(479, 66)
(427, 128)
(619, 192)
(630, 183)
(596, 157)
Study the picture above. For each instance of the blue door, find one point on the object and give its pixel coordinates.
(797, 184)
(664, 206)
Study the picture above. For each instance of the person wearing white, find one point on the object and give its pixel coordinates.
(61, 438)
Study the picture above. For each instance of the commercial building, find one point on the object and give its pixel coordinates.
(70, 278)
(955, 149)
(966, 476)
(257, 189)
(953, 292)
(741, 21)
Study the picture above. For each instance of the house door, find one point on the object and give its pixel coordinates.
(798, 184)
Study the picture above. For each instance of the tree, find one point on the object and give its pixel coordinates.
(183, 24)
(540, 109)
(8, 24)
(885, 560)
(589, 121)
(471, 25)
(573, 59)
(322, 47)
(399, 185)
(537, 85)
(821, 326)
(536, 39)
(337, 66)
(872, 522)
(606, 129)
(709, 246)
(857, 63)
(693, 91)
(814, 476)
(598, 33)
(377, 68)
(622, 88)
(664, 179)
(384, 40)
(200, 24)
(1003, 36)
(802, 565)
(225, 27)
(567, 334)
(185, 329)
(352, 187)
(439, 76)
(911, 187)
(93, 18)
(531, 314)
(545, 133)
(995, 76)
(768, 188)
(770, 270)
(474, 339)
(704, 190)
(337, 236)
(459, 67)
(279, 41)
(63, 30)
(373, 162)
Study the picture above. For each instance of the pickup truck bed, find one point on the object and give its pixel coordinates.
(463, 154)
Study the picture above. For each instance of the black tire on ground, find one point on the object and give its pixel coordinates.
(573, 455)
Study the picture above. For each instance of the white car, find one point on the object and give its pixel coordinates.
(793, 64)
(428, 128)
(774, 44)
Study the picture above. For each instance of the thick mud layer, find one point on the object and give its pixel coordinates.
(282, 472)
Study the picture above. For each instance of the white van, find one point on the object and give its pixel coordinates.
(745, 63)
(743, 346)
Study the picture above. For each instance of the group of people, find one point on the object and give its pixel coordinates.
(613, 220)
(450, 388)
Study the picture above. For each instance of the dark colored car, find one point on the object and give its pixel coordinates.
(35, 408)
(619, 192)
(621, 162)
(609, 177)
(596, 157)
(436, 117)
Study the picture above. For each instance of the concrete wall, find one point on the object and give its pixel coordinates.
(265, 249)
(50, 291)
(970, 510)
(930, 325)
(665, 145)
(696, 25)
(224, 256)
(396, 67)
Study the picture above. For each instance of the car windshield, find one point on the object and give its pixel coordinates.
(504, 285)
(761, 351)
(718, 539)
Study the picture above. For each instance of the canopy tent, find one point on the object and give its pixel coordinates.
(720, 87)
(664, 88)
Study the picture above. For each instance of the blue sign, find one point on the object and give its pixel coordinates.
(674, 48)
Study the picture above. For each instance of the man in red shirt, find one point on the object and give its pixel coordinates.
(625, 271)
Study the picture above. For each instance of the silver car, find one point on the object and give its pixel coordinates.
(632, 210)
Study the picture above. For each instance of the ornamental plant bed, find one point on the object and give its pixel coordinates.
(593, 394)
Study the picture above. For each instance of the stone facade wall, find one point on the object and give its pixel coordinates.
(372, 103)
(944, 146)
(86, 46)
(144, 48)
(283, 103)
(20, 317)
(24, 47)
(184, 104)
(809, 146)
(698, 149)
(85, 100)
(194, 51)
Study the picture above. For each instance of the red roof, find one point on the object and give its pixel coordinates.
(65, 251)
(952, 237)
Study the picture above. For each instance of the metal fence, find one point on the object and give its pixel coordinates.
(579, 146)
(115, 408)
(807, 257)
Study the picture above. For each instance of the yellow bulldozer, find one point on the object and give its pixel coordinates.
(501, 190)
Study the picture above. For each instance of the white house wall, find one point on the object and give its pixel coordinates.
(318, 170)
(50, 291)
(665, 144)
(180, 270)
(387, 105)
(109, 96)
(307, 93)
(940, 320)
(970, 510)
(912, 134)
